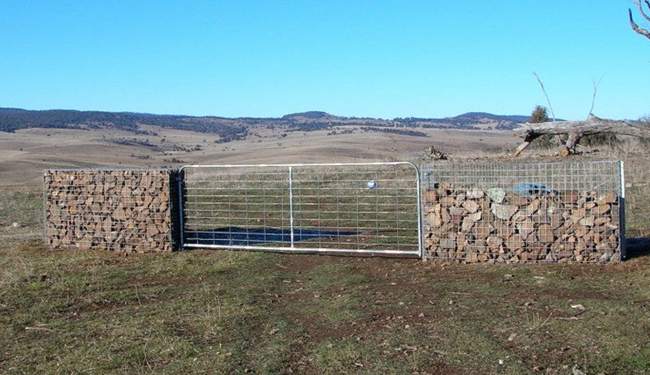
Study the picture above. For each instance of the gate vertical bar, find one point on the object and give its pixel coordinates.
(420, 222)
(179, 179)
(291, 202)
(621, 209)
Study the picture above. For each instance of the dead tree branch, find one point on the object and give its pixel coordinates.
(635, 26)
(643, 13)
(593, 96)
(548, 100)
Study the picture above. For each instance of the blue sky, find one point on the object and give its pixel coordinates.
(365, 58)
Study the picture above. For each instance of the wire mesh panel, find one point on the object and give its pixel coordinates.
(370, 208)
(524, 211)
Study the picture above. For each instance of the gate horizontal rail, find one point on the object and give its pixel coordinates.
(351, 208)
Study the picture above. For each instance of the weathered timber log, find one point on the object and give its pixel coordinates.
(575, 130)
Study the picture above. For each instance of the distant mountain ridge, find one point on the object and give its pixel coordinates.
(12, 119)
(474, 117)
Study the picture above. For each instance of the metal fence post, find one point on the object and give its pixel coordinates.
(181, 224)
(418, 189)
(291, 203)
(621, 210)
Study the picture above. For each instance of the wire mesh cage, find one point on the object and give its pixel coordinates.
(370, 208)
(120, 210)
(523, 212)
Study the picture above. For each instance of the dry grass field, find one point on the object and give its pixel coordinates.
(27, 152)
(241, 312)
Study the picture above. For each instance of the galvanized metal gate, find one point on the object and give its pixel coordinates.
(354, 208)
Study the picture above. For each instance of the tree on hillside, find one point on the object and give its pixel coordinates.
(635, 26)
(539, 115)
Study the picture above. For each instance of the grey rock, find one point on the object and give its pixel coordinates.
(504, 211)
(447, 243)
(474, 194)
(497, 195)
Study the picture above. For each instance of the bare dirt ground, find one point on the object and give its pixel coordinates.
(242, 312)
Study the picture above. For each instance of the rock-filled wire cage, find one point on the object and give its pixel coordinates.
(511, 212)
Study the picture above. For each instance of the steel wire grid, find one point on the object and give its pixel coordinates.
(555, 210)
(589, 175)
(369, 208)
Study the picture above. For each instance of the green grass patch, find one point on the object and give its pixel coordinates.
(247, 312)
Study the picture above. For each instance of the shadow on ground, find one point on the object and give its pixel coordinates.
(637, 247)
(238, 236)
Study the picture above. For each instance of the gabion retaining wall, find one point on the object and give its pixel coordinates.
(524, 213)
(118, 210)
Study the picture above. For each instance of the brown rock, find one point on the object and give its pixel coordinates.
(503, 229)
(434, 219)
(482, 230)
(152, 230)
(577, 215)
(526, 227)
(515, 242)
(461, 241)
(119, 214)
(601, 209)
(545, 233)
(569, 197)
(476, 216)
(532, 208)
(607, 198)
(447, 201)
(556, 220)
(446, 218)
(445, 185)
(587, 221)
(431, 196)
(581, 231)
(518, 200)
(470, 206)
(599, 228)
(457, 215)
(469, 221)
(467, 224)
(472, 258)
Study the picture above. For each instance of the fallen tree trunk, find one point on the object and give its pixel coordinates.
(575, 130)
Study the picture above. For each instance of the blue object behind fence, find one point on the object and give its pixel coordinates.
(527, 188)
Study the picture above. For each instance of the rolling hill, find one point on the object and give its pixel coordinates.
(12, 119)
